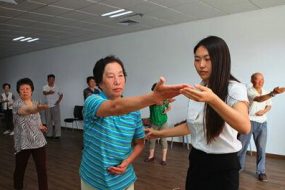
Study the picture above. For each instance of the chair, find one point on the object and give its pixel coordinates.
(185, 138)
(77, 116)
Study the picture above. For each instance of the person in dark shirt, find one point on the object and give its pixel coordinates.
(91, 89)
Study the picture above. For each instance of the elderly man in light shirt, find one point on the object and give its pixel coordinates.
(260, 105)
(53, 97)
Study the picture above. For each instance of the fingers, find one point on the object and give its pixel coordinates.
(116, 170)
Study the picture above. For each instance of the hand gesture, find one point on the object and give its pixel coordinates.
(260, 113)
(198, 93)
(151, 133)
(120, 169)
(41, 107)
(162, 92)
(43, 128)
(278, 90)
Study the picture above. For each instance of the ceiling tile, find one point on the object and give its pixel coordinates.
(8, 12)
(76, 15)
(25, 5)
(199, 10)
(72, 4)
(267, 3)
(51, 10)
(231, 6)
(98, 8)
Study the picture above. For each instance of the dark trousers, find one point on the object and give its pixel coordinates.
(212, 171)
(9, 119)
(22, 157)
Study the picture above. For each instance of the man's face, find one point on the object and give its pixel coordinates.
(51, 81)
(258, 81)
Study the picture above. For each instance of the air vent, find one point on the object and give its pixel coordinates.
(128, 22)
(131, 20)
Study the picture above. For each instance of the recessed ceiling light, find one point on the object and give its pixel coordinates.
(32, 40)
(121, 14)
(113, 12)
(25, 39)
(18, 38)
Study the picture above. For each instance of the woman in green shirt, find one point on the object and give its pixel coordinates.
(158, 121)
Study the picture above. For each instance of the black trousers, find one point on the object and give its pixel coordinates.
(212, 171)
(22, 157)
(9, 119)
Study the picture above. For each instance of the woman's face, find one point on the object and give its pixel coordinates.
(25, 92)
(203, 63)
(6, 88)
(92, 83)
(113, 82)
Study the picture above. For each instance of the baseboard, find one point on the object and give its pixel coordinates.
(69, 128)
(268, 155)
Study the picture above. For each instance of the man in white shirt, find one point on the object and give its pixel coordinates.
(53, 97)
(7, 100)
(260, 105)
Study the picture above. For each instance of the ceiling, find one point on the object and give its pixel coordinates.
(62, 22)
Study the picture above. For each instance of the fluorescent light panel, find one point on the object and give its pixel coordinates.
(25, 39)
(113, 12)
(18, 38)
(32, 40)
(121, 14)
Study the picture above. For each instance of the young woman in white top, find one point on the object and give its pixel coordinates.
(217, 112)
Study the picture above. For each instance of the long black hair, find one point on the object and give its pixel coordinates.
(218, 82)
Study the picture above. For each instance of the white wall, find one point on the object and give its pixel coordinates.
(256, 41)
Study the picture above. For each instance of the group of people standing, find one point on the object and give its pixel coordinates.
(220, 109)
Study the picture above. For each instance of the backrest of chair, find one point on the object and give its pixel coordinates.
(77, 112)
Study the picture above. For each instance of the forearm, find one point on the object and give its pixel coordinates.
(236, 116)
(179, 130)
(263, 97)
(60, 98)
(267, 109)
(125, 105)
(138, 148)
(26, 110)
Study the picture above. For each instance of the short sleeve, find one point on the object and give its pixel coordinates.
(92, 105)
(237, 93)
(251, 93)
(139, 132)
(44, 88)
(16, 107)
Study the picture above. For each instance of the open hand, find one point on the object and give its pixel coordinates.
(166, 92)
(198, 93)
(278, 90)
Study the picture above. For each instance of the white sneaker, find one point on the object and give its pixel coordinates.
(12, 133)
(6, 132)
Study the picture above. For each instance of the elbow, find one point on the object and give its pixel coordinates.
(246, 128)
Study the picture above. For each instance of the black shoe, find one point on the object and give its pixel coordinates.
(149, 159)
(262, 177)
(57, 138)
(163, 163)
